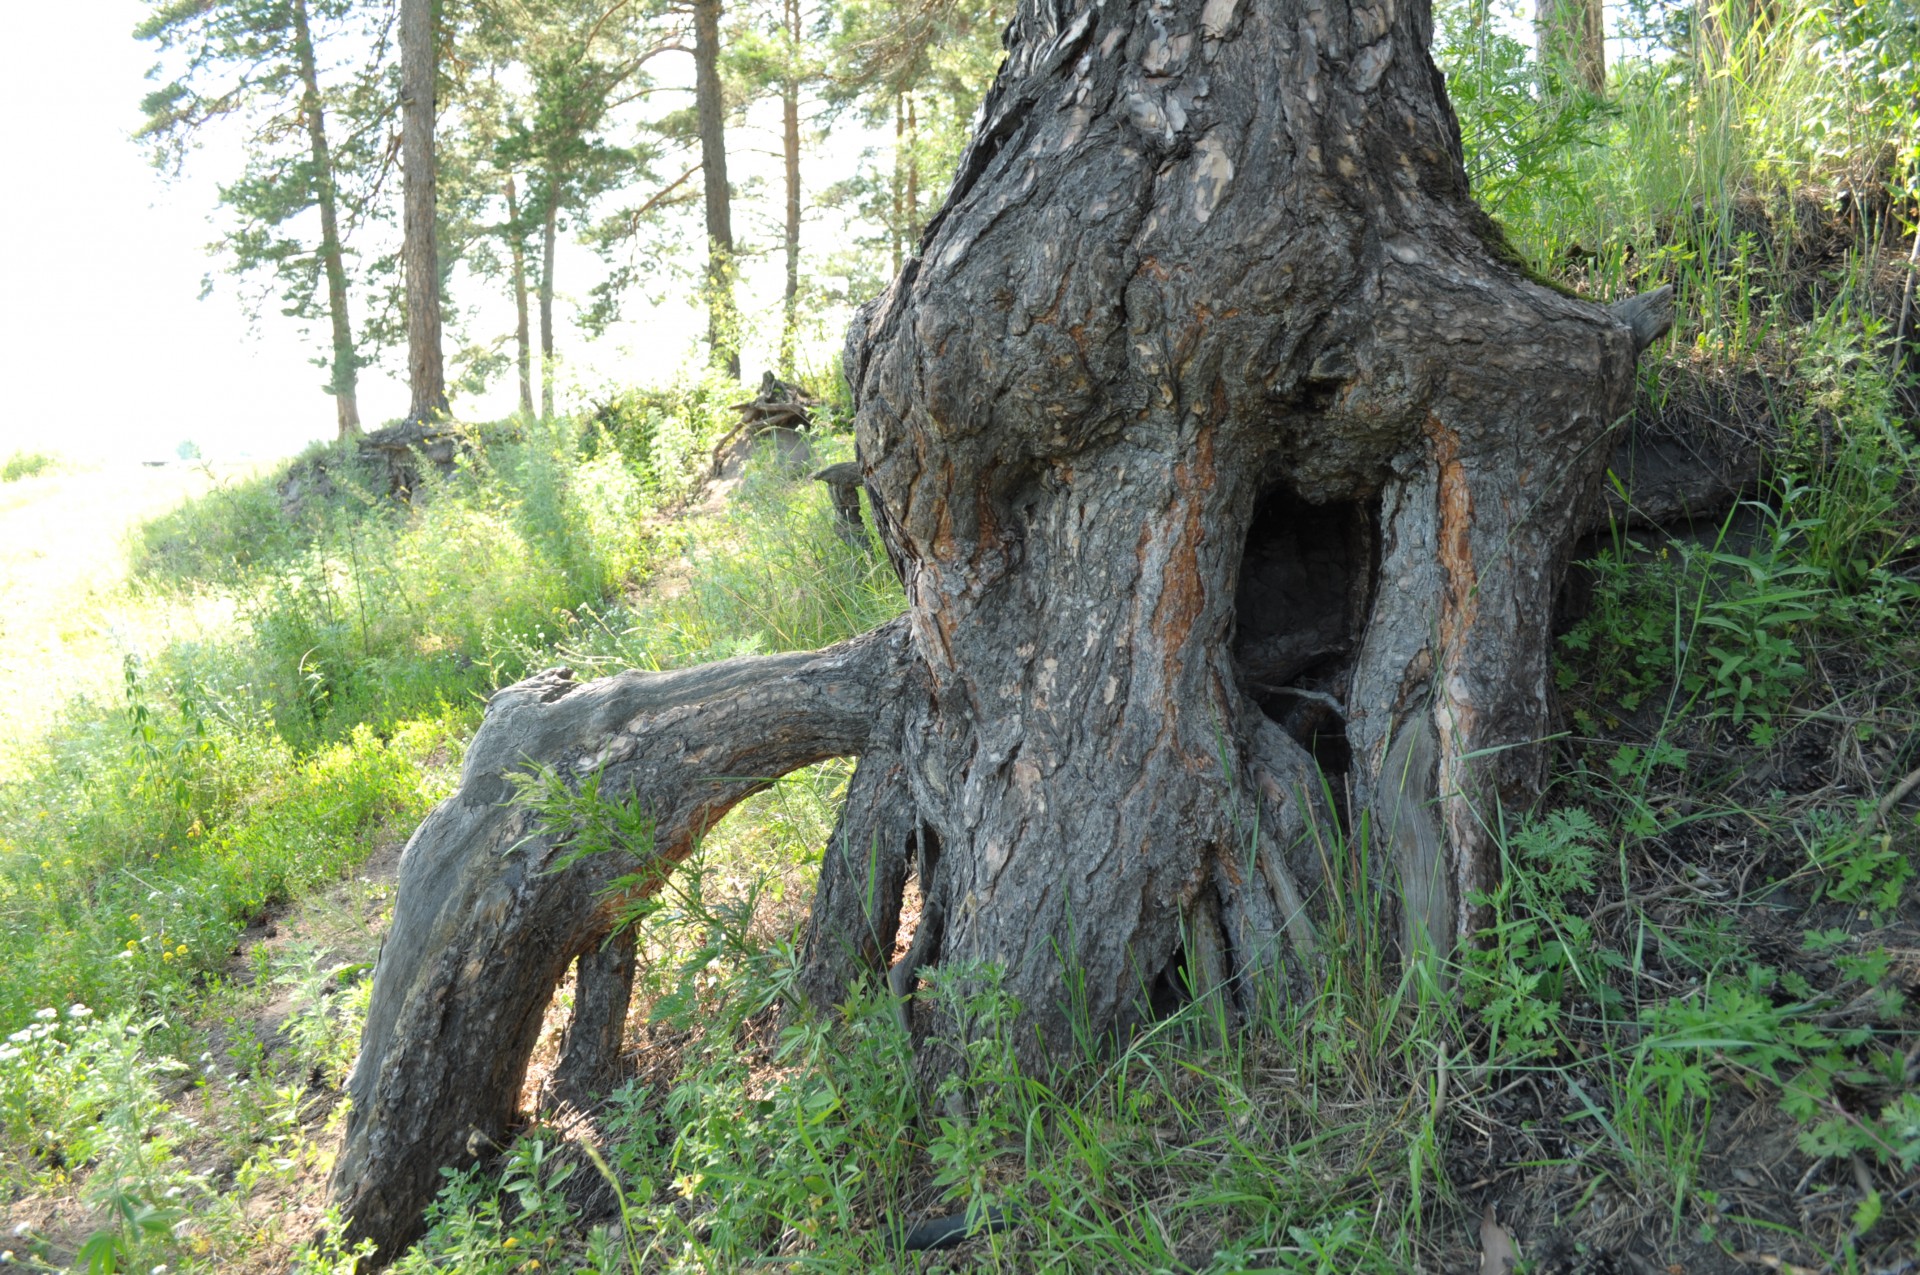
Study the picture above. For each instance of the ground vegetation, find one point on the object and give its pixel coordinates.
(1683, 1034)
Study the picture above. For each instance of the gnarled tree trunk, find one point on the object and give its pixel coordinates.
(1221, 452)
(1212, 433)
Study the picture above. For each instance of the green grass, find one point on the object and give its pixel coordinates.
(1697, 952)
(26, 464)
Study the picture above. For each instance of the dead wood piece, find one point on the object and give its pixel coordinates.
(387, 461)
(485, 924)
(777, 406)
(1649, 316)
(590, 1053)
(843, 485)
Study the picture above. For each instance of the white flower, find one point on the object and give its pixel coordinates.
(48, 1014)
(79, 1011)
(21, 1037)
(23, 1230)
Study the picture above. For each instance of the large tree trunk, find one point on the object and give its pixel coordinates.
(345, 367)
(419, 69)
(723, 338)
(1227, 464)
(523, 344)
(1212, 399)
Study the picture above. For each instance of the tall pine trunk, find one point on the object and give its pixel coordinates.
(914, 225)
(723, 337)
(345, 367)
(523, 343)
(897, 224)
(549, 236)
(419, 69)
(1573, 40)
(790, 139)
(1230, 467)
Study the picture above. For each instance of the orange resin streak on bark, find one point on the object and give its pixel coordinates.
(1455, 535)
(1456, 715)
(1183, 597)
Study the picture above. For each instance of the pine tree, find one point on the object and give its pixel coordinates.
(419, 109)
(774, 53)
(921, 67)
(267, 69)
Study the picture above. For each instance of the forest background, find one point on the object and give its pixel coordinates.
(1689, 1040)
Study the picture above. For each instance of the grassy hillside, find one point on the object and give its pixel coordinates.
(1689, 1041)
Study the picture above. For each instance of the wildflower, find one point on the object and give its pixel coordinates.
(181, 950)
(6, 1258)
(134, 917)
(132, 944)
(513, 1241)
(77, 1010)
(166, 956)
(23, 1230)
(47, 1015)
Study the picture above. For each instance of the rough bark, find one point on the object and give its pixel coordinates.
(484, 928)
(549, 238)
(345, 367)
(590, 1050)
(711, 110)
(419, 70)
(1209, 292)
(523, 344)
(1228, 465)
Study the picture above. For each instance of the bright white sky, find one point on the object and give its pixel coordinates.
(105, 350)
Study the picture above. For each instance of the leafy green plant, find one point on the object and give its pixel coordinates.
(25, 464)
(1538, 951)
(1857, 860)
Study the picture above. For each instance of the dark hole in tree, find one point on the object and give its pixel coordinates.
(1303, 592)
(1171, 988)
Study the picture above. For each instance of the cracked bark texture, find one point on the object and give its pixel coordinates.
(484, 928)
(1209, 279)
